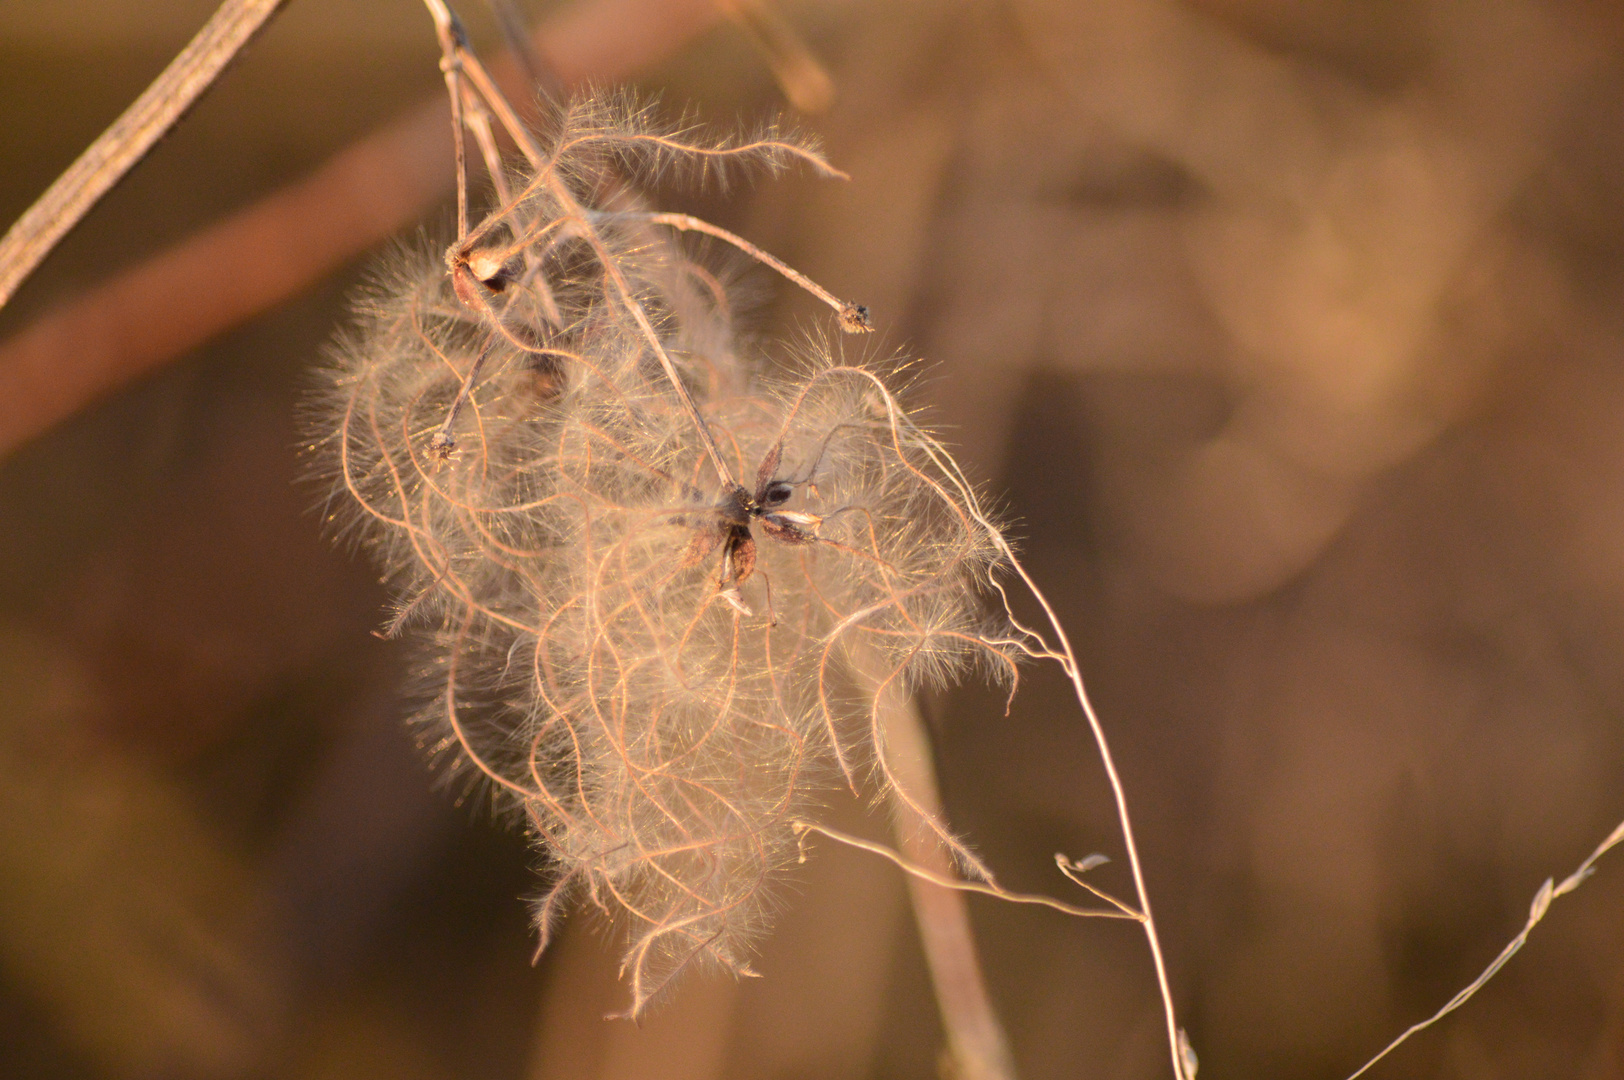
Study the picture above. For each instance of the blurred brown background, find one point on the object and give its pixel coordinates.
(1292, 335)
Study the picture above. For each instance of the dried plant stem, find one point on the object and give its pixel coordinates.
(948, 879)
(689, 223)
(146, 316)
(466, 61)
(975, 1036)
(1183, 1056)
(1178, 1043)
(179, 298)
(1035, 645)
(478, 119)
(1542, 901)
(452, 40)
(118, 148)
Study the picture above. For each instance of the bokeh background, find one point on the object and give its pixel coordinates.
(1291, 336)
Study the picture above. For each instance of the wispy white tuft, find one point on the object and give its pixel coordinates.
(655, 587)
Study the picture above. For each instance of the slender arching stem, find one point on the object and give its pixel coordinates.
(1067, 659)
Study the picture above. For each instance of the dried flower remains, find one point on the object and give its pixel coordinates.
(658, 587)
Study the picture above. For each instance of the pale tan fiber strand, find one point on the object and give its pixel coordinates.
(960, 884)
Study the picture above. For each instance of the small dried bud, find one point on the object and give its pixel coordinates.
(854, 319)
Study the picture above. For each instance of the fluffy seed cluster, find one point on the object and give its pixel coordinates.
(657, 590)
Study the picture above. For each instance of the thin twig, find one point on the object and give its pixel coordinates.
(490, 90)
(1178, 1042)
(960, 884)
(152, 313)
(124, 143)
(478, 119)
(453, 43)
(689, 223)
(1536, 911)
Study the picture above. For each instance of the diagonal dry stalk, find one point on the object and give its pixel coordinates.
(1548, 892)
(129, 138)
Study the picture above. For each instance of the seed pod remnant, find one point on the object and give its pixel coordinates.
(656, 588)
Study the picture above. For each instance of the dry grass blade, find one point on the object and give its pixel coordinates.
(107, 159)
(1536, 912)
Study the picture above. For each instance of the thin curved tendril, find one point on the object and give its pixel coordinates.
(689, 223)
(1068, 662)
(1119, 911)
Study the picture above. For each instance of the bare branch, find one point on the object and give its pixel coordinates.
(129, 138)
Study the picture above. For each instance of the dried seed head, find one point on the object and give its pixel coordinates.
(654, 662)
